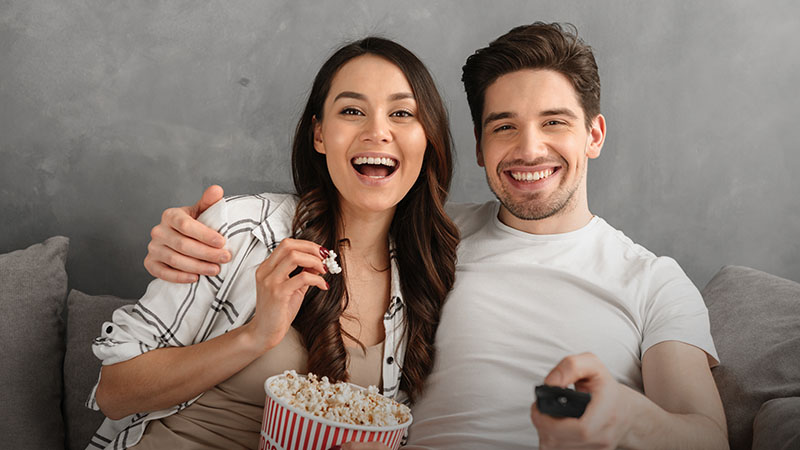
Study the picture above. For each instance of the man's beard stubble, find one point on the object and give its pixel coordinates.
(533, 208)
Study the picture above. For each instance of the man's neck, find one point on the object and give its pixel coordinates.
(561, 222)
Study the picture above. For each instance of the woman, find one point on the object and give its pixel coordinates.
(372, 164)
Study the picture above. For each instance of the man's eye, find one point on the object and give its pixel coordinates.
(502, 128)
(553, 123)
(351, 112)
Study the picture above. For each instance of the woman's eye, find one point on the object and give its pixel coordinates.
(351, 112)
(402, 113)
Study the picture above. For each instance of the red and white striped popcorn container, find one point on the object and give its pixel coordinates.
(285, 427)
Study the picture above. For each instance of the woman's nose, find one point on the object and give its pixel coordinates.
(377, 130)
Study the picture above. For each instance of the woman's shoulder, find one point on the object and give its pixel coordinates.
(239, 212)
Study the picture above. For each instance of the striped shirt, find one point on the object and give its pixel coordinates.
(172, 315)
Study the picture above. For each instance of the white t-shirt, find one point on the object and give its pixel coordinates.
(522, 302)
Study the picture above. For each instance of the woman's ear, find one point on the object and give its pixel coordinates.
(319, 146)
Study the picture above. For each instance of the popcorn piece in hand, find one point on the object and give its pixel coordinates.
(330, 262)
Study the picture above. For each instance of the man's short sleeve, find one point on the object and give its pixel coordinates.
(675, 310)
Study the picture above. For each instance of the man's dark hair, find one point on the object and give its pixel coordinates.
(536, 46)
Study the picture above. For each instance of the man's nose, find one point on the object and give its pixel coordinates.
(377, 130)
(531, 143)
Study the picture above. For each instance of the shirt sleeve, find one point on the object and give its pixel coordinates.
(168, 315)
(675, 310)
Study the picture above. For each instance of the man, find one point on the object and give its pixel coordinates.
(545, 292)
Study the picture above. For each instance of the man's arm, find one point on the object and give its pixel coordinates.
(183, 248)
(681, 409)
(678, 381)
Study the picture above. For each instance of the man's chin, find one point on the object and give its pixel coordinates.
(532, 207)
(531, 213)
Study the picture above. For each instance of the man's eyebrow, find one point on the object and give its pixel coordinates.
(559, 112)
(498, 116)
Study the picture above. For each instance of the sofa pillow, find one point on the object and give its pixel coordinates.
(85, 317)
(755, 322)
(777, 425)
(33, 285)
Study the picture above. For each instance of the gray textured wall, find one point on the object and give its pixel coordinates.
(115, 110)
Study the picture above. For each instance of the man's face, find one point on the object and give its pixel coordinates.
(535, 145)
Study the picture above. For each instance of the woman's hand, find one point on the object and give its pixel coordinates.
(280, 295)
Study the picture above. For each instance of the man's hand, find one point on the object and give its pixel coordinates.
(603, 425)
(681, 408)
(183, 248)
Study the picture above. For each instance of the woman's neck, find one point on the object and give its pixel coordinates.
(368, 234)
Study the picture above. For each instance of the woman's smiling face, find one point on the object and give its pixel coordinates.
(373, 142)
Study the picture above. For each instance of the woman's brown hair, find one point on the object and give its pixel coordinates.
(425, 238)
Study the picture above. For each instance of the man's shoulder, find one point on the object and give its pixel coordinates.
(636, 259)
(470, 217)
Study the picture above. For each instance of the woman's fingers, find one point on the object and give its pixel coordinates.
(295, 259)
(292, 253)
(304, 280)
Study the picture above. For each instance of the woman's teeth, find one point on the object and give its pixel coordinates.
(374, 167)
(531, 176)
(389, 162)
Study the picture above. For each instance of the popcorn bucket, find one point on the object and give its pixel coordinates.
(285, 427)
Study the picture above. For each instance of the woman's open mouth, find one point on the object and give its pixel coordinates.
(374, 167)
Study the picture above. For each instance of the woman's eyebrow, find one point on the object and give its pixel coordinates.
(350, 94)
(358, 96)
(401, 96)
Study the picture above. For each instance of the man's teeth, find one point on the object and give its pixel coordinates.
(531, 176)
(389, 162)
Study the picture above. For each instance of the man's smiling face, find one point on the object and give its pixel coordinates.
(535, 144)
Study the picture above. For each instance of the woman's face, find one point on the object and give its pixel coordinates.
(370, 135)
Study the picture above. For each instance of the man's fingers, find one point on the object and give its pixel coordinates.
(192, 248)
(166, 273)
(574, 368)
(181, 262)
(180, 220)
(212, 195)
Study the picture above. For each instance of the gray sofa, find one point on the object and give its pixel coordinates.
(47, 368)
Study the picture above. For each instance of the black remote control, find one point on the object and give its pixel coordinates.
(561, 402)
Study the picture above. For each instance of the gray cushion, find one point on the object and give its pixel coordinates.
(755, 322)
(777, 425)
(33, 285)
(85, 316)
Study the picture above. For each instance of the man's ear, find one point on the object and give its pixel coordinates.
(597, 135)
(319, 146)
(478, 150)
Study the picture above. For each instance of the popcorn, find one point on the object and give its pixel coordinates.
(338, 401)
(330, 262)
